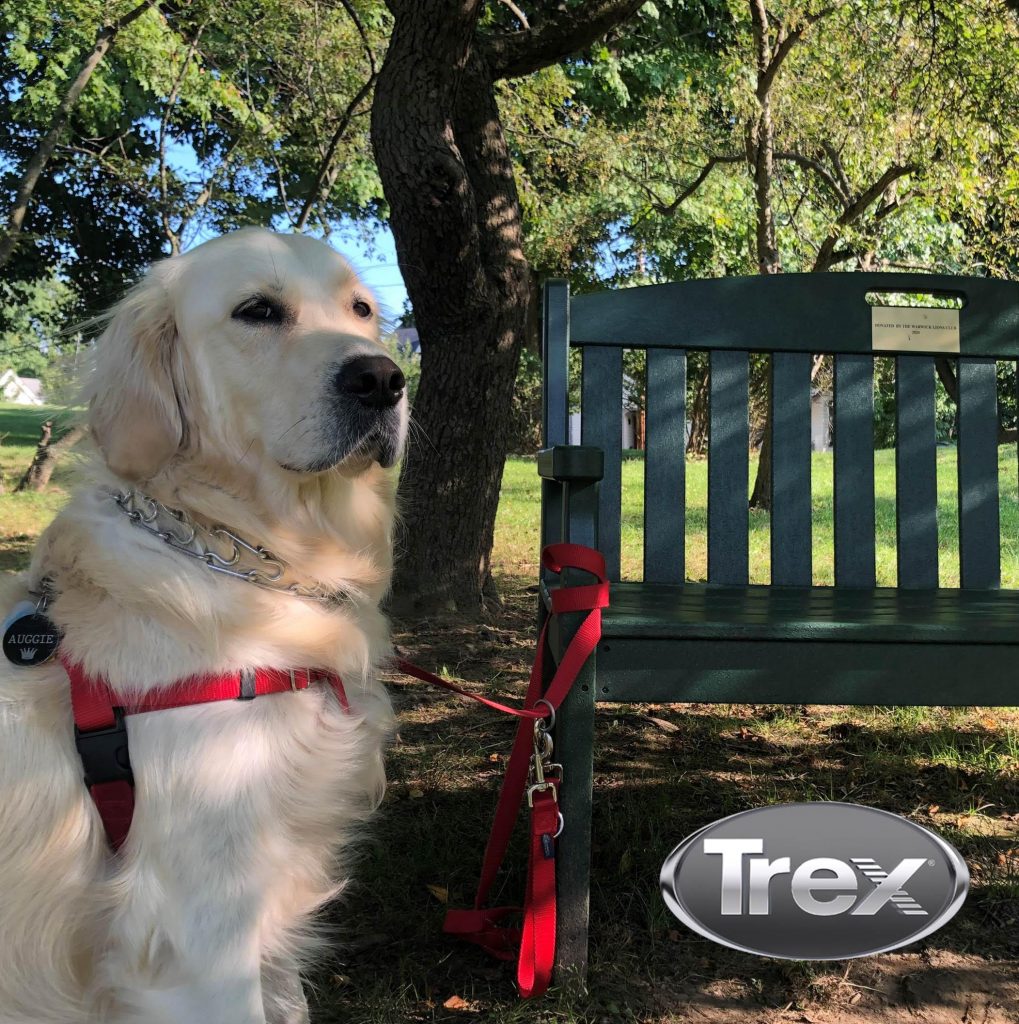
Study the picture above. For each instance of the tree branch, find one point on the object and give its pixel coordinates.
(784, 47)
(668, 209)
(518, 14)
(48, 143)
(315, 192)
(820, 170)
(512, 54)
(855, 210)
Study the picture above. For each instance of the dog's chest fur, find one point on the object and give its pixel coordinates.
(242, 808)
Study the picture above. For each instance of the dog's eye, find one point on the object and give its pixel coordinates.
(361, 309)
(260, 310)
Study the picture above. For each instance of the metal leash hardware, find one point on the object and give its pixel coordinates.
(144, 511)
(543, 773)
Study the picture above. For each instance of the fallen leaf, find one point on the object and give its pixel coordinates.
(494, 758)
(459, 1003)
(855, 998)
(440, 892)
(415, 794)
(933, 809)
(664, 725)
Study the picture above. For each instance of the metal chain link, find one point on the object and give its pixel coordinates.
(193, 540)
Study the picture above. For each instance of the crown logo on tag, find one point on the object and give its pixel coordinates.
(28, 653)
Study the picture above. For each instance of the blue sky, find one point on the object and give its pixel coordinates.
(377, 267)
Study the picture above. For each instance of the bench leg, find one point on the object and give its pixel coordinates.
(574, 749)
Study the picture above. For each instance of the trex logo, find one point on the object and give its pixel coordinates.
(814, 881)
(830, 876)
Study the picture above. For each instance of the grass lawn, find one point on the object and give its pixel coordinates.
(661, 772)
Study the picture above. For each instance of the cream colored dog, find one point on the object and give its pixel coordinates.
(244, 384)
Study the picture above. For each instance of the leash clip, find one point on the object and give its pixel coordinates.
(541, 762)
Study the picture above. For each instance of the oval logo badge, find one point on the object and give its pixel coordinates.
(814, 881)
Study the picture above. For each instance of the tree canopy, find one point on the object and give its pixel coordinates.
(608, 141)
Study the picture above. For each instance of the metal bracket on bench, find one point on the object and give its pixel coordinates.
(571, 462)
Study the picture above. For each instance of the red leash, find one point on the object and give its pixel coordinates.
(526, 771)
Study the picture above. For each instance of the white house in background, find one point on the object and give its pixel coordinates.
(407, 340)
(20, 390)
(632, 432)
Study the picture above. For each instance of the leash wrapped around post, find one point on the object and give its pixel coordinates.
(530, 770)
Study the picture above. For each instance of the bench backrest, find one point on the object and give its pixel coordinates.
(791, 316)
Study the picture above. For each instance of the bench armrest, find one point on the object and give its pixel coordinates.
(570, 478)
(571, 463)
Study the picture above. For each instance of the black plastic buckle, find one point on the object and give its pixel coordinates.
(104, 753)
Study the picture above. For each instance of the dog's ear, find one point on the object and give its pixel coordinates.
(138, 395)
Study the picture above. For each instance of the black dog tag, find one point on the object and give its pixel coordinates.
(30, 638)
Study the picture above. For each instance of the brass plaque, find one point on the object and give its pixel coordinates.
(914, 329)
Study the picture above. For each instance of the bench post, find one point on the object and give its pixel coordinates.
(569, 512)
(576, 471)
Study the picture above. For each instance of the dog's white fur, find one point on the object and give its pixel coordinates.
(243, 808)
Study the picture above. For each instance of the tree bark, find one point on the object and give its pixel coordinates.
(762, 140)
(48, 143)
(47, 454)
(447, 175)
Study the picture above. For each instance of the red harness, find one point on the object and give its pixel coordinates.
(100, 733)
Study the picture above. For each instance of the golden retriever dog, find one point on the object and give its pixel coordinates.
(240, 388)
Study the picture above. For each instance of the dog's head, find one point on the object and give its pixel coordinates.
(254, 343)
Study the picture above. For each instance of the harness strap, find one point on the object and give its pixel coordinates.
(484, 925)
(100, 733)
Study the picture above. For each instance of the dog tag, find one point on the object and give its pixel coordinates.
(30, 638)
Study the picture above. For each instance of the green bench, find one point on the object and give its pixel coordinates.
(727, 641)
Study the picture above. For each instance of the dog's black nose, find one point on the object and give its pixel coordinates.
(373, 380)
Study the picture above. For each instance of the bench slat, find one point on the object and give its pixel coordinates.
(979, 540)
(854, 471)
(728, 468)
(555, 325)
(556, 340)
(790, 469)
(665, 467)
(916, 473)
(602, 425)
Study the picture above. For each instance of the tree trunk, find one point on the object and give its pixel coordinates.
(48, 143)
(697, 443)
(768, 258)
(47, 454)
(448, 178)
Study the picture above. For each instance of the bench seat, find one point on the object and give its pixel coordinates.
(883, 615)
(759, 644)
